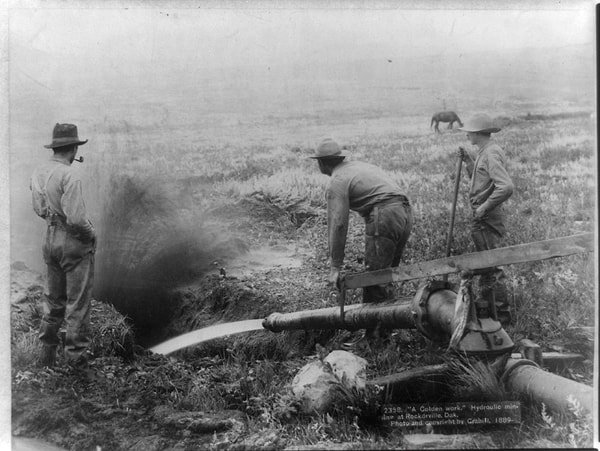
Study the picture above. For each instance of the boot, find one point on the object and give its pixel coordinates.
(381, 336)
(504, 317)
(80, 363)
(502, 304)
(493, 292)
(378, 337)
(48, 356)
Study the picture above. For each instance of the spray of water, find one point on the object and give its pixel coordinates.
(208, 333)
(149, 243)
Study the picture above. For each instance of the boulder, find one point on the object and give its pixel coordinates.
(315, 383)
(349, 366)
(312, 386)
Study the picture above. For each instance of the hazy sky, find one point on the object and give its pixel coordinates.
(296, 32)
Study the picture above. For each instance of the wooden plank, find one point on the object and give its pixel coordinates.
(522, 253)
(411, 376)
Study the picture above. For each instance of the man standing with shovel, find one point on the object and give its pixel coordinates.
(490, 187)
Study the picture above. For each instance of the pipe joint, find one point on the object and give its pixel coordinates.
(512, 365)
(421, 308)
(526, 378)
(271, 322)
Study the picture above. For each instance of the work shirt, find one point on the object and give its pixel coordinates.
(356, 186)
(56, 193)
(490, 183)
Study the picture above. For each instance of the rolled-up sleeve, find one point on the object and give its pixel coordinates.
(338, 212)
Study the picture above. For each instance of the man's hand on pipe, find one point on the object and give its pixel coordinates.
(334, 278)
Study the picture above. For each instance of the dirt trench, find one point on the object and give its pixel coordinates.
(128, 397)
(159, 254)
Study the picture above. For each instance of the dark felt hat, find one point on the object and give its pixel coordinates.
(64, 135)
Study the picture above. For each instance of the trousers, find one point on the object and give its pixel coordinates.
(387, 229)
(487, 234)
(70, 277)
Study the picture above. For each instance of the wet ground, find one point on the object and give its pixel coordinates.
(32, 444)
(262, 259)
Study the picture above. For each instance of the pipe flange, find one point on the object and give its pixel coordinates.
(419, 304)
(270, 322)
(510, 367)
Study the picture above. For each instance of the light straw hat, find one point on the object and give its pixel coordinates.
(480, 123)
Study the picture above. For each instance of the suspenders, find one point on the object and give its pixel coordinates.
(46, 210)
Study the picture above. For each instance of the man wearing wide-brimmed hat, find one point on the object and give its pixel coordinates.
(490, 187)
(368, 190)
(68, 250)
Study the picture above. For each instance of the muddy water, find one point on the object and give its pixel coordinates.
(256, 260)
(208, 333)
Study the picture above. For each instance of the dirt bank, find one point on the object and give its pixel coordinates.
(131, 399)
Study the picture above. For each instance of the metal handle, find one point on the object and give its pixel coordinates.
(342, 298)
(453, 212)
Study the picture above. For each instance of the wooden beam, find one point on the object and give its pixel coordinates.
(411, 376)
(522, 253)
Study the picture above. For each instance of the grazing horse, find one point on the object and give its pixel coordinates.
(444, 116)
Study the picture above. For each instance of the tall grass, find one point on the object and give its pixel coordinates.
(551, 161)
(153, 200)
(552, 164)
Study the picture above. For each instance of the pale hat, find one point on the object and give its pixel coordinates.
(480, 123)
(329, 149)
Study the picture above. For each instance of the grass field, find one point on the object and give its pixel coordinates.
(169, 200)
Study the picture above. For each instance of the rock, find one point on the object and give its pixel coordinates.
(349, 366)
(312, 387)
(25, 284)
(19, 266)
(314, 384)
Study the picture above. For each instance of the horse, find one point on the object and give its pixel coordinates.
(444, 116)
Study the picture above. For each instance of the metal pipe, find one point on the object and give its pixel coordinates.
(396, 314)
(526, 378)
(437, 311)
(440, 310)
(431, 311)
